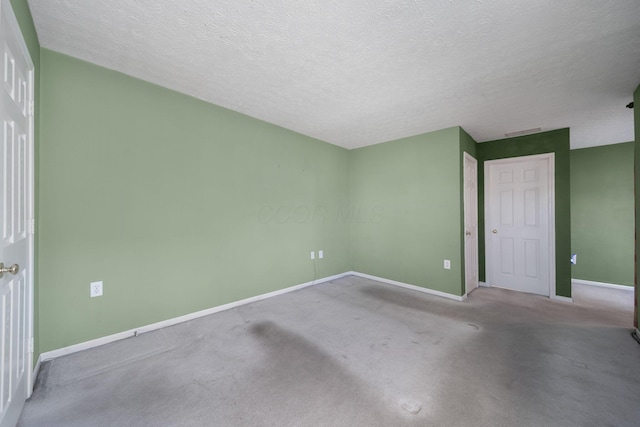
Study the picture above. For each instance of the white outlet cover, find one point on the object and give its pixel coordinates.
(313, 255)
(447, 264)
(320, 254)
(95, 289)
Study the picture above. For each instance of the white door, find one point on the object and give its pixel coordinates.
(470, 223)
(16, 240)
(519, 223)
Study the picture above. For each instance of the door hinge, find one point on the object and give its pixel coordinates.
(32, 226)
(31, 108)
(31, 345)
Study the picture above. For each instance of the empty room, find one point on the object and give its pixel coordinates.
(319, 213)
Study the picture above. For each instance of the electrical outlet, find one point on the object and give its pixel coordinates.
(447, 264)
(95, 289)
(313, 255)
(320, 254)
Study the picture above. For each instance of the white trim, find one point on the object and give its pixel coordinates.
(412, 287)
(602, 285)
(36, 370)
(483, 285)
(561, 298)
(169, 322)
(550, 157)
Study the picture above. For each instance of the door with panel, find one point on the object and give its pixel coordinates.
(470, 223)
(519, 219)
(16, 207)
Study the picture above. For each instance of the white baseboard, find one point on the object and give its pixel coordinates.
(561, 298)
(602, 285)
(483, 285)
(169, 322)
(412, 287)
(34, 377)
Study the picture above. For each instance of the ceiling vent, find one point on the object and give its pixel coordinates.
(522, 132)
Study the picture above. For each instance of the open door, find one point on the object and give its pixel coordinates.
(470, 223)
(16, 226)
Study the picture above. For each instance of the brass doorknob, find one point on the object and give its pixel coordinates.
(495, 231)
(12, 270)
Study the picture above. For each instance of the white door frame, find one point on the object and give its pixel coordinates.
(550, 157)
(469, 157)
(7, 10)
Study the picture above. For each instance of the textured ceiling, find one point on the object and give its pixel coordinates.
(360, 72)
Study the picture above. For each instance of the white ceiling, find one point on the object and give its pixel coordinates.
(360, 72)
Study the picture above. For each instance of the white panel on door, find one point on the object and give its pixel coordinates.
(530, 175)
(7, 339)
(22, 94)
(7, 181)
(21, 187)
(505, 177)
(506, 207)
(531, 207)
(9, 72)
(23, 338)
(506, 256)
(531, 257)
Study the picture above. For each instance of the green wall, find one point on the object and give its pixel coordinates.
(25, 21)
(405, 195)
(602, 213)
(176, 204)
(557, 142)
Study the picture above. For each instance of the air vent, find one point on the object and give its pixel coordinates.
(522, 132)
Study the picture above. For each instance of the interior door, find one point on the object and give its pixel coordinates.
(518, 220)
(16, 240)
(470, 223)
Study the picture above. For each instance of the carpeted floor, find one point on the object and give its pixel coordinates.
(355, 352)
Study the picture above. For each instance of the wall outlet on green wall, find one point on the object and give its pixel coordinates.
(95, 289)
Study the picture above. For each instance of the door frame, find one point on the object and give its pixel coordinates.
(7, 10)
(550, 158)
(467, 156)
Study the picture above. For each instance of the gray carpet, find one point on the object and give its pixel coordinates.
(354, 352)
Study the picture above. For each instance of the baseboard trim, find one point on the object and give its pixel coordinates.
(412, 287)
(561, 298)
(34, 378)
(602, 285)
(174, 321)
(483, 285)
